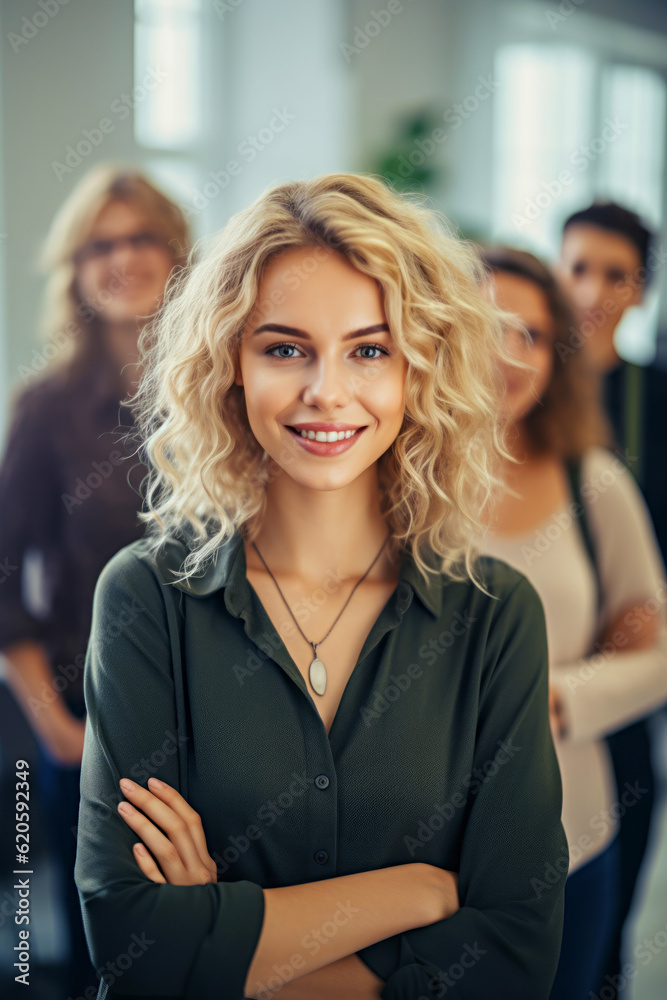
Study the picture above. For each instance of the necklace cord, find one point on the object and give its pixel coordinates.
(360, 580)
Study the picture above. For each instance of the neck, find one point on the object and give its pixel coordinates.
(513, 475)
(121, 341)
(311, 533)
(517, 444)
(603, 352)
(612, 361)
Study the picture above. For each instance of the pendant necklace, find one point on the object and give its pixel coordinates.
(317, 671)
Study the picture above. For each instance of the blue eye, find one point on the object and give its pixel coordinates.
(277, 347)
(373, 347)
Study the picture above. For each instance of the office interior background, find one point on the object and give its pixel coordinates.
(480, 104)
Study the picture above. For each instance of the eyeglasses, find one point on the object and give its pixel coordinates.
(101, 249)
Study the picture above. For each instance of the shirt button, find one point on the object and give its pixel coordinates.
(321, 857)
(322, 781)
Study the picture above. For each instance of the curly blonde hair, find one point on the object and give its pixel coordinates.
(207, 473)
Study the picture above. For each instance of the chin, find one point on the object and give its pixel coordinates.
(129, 311)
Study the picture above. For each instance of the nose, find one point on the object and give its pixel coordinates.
(328, 384)
(123, 254)
(588, 293)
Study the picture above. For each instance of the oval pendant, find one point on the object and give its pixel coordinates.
(318, 675)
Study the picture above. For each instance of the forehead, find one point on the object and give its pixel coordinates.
(599, 247)
(522, 296)
(117, 217)
(308, 264)
(317, 284)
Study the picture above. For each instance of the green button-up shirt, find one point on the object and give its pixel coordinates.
(440, 752)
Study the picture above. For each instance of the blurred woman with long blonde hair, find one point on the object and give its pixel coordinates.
(68, 493)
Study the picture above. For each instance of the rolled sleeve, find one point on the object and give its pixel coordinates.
(194, 941)
(505, 939)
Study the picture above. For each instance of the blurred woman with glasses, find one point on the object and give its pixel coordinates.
(69, 491)
(606, 627)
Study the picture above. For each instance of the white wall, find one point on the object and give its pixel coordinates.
(266, 56)
(54, 85)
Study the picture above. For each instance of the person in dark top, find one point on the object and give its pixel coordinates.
(69, 484)
(608, 257)
(347, 709)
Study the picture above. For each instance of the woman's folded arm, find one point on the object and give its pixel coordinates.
(612, 688)
(144, 937)
(625, 675)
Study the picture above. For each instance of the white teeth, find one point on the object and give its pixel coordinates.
(326, 435)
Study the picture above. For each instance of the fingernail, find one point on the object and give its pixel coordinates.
(126, 784)
(156, 782)
(125, 807)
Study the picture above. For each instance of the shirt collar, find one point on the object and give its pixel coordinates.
(227, 569)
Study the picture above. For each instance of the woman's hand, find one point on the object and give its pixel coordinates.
(181, 854)
(557, 715)
(451, 891)
(66, 741)
(445, 887)
(631, 628)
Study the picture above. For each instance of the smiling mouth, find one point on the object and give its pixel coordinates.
(325, 436)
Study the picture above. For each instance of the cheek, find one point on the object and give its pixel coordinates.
(623, 296)
(384, 392)
(574, 287)
(544, 363)
(266, 396)
(87, 282)
(164, 269)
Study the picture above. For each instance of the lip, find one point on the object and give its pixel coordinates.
(134, 283)
(326, 448)
(323, 426)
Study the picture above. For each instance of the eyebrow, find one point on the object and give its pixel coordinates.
(292, 331)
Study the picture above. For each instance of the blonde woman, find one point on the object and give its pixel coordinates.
(69, 494)
(607, 631)
(346, 713)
